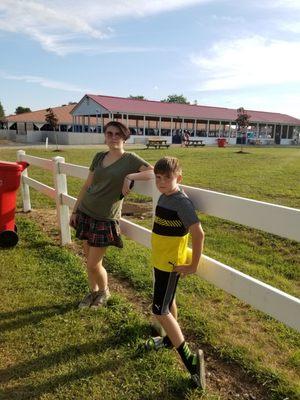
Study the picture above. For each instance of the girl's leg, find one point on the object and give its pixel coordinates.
(97, 274)
(86, 248)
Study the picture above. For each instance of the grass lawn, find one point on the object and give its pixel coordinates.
(49, 350)
(233, 330)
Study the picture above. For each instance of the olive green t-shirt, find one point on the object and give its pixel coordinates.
(102, 199)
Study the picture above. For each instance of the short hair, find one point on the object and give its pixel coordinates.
(125, 132)
(168, 166)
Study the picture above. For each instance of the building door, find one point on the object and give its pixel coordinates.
(277, 134)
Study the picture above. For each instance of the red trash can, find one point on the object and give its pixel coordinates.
(221, 142)
(10, 174)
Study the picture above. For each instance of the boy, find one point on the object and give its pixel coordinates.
(175, 218)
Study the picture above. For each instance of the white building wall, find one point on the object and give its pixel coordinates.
(88, 106)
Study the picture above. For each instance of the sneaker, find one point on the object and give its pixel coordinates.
(86, 301)
(199, 377)
(156, 343)
(100, 298)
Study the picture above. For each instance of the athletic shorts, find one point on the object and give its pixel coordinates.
(165, 284)
(97, 233)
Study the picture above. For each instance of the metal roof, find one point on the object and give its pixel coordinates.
(155, 108)
(158, 108)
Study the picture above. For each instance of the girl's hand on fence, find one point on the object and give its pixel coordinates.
(127, 186)
(72, 221)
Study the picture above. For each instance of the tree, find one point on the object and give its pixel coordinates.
(176, 98)
(22, 110)
(242, 122)
(2, 116)
(138, 97)
(52, 121)
(2, 113)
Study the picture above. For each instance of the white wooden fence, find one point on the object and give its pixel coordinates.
(272, 218)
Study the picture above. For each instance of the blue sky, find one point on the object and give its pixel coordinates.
(226, 53)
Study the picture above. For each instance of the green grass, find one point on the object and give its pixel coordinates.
(266, 174)
(235, 331)
(49, 350)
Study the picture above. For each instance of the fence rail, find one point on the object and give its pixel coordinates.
(272, 218)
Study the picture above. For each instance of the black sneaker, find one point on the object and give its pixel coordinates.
(199, 377)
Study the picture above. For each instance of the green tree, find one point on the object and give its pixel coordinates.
(176, 98)
(242, 122)
(22, 110)
(52, 121)
(138, 97)
(2, 112)
(2, 116)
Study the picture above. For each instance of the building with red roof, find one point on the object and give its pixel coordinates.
(147, 118)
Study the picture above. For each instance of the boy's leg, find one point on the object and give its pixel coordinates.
(172, 328)
(160, 330)
(173, 309)
(163, 301)
(194, 362)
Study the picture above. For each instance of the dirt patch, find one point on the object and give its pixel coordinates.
(5, 142)
(139, 210)
(228, 379)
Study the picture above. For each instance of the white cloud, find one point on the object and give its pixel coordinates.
(45, 82)
(292, 26)
(60, 26)
(283, 103)
(248, 62)
(293, 4)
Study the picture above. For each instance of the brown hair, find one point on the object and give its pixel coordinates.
(125, 132)
(168, 166)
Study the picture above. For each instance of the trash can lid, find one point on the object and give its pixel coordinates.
(10, 166)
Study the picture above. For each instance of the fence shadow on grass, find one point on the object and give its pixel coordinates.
(32, 315)
(176, 387)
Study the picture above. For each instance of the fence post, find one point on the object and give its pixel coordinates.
(24, 187)
(61, 187)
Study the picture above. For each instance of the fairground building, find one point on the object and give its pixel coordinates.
(83, 123)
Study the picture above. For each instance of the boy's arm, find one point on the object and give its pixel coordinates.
(197, 234)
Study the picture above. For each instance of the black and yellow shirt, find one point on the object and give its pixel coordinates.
(174, 215)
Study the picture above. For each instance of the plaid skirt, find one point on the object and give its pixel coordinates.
(98, 233)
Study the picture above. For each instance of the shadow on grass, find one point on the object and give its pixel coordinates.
(69, 353)
(176, 388)
(35, 391)
(33, 315)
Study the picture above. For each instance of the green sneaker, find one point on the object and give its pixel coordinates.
(199, 377)
(100, 298)
(86, 301)
(158, 342)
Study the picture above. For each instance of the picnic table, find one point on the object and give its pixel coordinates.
(194, 142)
(157, 143)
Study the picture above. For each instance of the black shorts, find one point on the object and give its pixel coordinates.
(165, 284)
